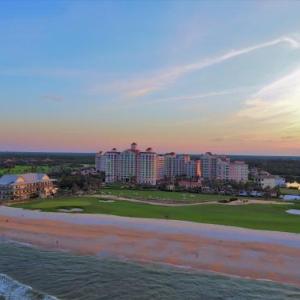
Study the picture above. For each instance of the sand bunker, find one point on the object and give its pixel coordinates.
(106, 201)
(252, 201)
(293, 211)
(71, 210)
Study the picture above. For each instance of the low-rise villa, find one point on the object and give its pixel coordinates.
(25, 186)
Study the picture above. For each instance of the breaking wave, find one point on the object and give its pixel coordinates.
(73, 277)
(11, 289)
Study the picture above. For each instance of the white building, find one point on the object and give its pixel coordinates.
(128, 164)
(160, 167)
(147, 167)
(174, 165)
(100, 162)
(112, 166)
(222, 169)
(192, 169)
(25, 186)
(169, 165)
(270, 181)
(180, 164)
(266, 181)
(238, 171)
(209, 166)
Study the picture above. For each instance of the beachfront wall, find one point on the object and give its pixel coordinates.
(25, 186)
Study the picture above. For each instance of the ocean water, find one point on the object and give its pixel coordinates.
(28, 273)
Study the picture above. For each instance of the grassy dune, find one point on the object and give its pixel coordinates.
(256, 216)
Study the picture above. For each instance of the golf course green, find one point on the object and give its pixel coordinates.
(176, 197)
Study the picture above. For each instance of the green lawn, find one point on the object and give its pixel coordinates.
(19, 169)
(161, 195)
(267, 216)
(286, 191)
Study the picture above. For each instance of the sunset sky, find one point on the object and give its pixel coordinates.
(80, 76)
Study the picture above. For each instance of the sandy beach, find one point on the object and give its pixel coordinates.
(230, 250)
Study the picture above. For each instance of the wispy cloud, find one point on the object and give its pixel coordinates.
(159, 80)
(200, 96)
(277, 98)
(274, 111)
(269, 119)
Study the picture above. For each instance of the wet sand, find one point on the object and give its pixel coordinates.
(235, 251)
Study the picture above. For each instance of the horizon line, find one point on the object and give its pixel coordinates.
(200, 153)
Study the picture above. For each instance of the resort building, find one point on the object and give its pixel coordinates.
(209, 166)
(160, 167)
(270, 181)
(147, 164)
(25, 186)
(192, 169)
(169, 165)
(223, 169)
(266, 180)
(100, 162)
(174, 165)
(128, 164)
(148, 167)
(216, 167)
(181, 160)
(238, 171)
(112, 166)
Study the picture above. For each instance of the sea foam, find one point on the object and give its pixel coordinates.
(11, 289)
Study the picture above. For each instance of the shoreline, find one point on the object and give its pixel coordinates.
(246, 253)
(150, 263)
